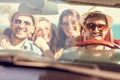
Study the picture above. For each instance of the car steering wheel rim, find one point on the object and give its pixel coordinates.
(95, 42)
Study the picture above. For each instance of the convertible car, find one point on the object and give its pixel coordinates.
(75, 63)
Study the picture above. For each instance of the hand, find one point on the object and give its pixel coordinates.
(40, 42)
(59, 53)
(5, 44)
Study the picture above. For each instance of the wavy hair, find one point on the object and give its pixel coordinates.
(52, 44)
(61, 37)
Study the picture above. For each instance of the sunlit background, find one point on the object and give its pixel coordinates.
(7, 8)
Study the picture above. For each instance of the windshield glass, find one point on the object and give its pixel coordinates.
(71, 33)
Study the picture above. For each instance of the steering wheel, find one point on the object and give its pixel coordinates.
(95, 42)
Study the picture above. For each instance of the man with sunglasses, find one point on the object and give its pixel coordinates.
(96, 26)
(22, 25)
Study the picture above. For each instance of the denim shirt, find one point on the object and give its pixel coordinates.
(29, 45)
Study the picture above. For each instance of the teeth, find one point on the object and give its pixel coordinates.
(72, 31)
(20, 30)
(95, 35)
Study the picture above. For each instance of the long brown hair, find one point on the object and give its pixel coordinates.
(61, 37)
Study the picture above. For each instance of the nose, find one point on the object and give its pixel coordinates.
(44, 32)
(21, 25)
(96, 29)
(70, 27)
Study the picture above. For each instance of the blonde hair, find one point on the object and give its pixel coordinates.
(53, 40)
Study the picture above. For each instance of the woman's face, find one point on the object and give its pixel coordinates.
(44, 30)
(70, 26)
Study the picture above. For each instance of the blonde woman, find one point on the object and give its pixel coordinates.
(45, 37)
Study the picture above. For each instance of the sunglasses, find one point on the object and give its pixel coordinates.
(93, 26)
(65, 24)
(17, 21)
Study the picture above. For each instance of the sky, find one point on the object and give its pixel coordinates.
(5, 9)
(113, 12)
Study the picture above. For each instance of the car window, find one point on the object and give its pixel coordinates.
(49, 26)
(77, 37)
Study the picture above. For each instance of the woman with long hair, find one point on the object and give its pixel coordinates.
(68, 28)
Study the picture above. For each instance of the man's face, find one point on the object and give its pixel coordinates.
(96, 29)
(21, 26)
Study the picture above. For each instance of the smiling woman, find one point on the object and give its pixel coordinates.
(68, 28)
(45, 36)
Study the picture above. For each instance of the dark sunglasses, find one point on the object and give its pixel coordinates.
(17, 21)
(68, 23)
(100, 27)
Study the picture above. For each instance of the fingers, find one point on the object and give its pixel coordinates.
(41, 43)
(59, 53)
(6, 44)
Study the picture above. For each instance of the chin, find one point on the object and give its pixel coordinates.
(20, 36)
(97, 38)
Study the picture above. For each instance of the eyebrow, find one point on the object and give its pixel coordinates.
(26, 22)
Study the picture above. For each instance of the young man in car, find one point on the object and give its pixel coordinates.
(22, 25)
(96, 26)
